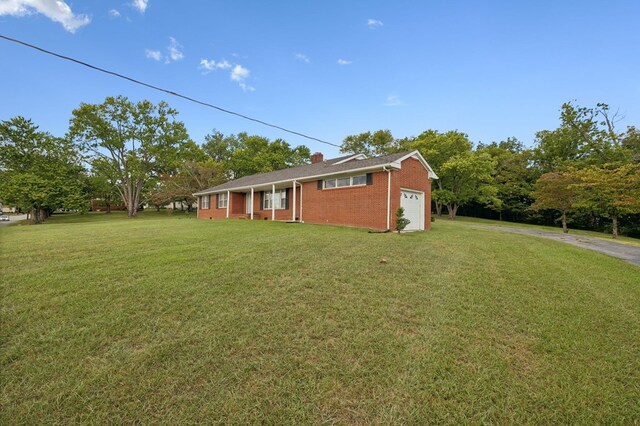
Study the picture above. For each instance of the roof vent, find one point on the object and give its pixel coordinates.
(317, 158)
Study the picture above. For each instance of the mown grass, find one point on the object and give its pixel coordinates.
(175, 320)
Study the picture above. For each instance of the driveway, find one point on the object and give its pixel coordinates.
(612, 248)
(13, 219)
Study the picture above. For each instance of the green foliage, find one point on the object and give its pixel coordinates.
(380, 142)
(514, 178)
(401, 221)
(39, 172)
(610, 192)
(191, 177)
(245, 155)
(467, 177)
(131, 144)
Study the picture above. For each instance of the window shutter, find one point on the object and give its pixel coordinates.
(286, 199)
(261, 200)
(217, 202)
(320, 184)
(369, 178)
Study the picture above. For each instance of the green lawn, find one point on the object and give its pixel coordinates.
(173, 320)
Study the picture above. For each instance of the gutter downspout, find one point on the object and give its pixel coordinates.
(388, 197)
(301, 204)
(228, 202)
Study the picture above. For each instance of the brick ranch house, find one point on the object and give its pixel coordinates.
(352, 190)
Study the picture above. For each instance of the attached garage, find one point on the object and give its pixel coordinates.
(413, 204)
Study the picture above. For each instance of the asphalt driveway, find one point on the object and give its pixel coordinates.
(612, 248)
(13, 219)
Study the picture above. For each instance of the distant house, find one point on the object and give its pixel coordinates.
(351, 191)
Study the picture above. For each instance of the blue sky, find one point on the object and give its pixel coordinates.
(329, 69)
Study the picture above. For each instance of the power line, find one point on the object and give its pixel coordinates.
(160, 89)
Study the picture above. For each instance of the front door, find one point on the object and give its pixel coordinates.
(248, 202)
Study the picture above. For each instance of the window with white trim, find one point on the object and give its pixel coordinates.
(345, 181)
(223, 200)
(204, 203)
(279, 199)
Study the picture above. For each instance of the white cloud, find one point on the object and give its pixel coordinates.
(56, 10)
(247, 88)
(344, 62)
(208, 65)
(239, 74)
(156, 55)
(374, 23)
(393, 101)
(174, 52)
(303, 58)
(174, 49)
(114, 13)
(141, 5)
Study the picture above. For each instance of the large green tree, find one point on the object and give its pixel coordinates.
(438, 148)
(514, 177)
(243, 154)
(609, 191)
(380, 142)
(467, 177)
(191, 177)
(136, 142)
(554, 191)
(39, 172)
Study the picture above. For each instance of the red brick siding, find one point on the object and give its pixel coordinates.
(359, 206)
(414, 176)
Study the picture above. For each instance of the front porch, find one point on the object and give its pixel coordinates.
(281, 202)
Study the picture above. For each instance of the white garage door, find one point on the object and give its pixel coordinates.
(413, 203)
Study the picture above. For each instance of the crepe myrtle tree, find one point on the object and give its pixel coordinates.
(136, 142)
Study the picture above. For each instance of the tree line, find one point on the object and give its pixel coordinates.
(585, 172)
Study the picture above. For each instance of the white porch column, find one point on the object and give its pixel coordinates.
(294, 200)
(389, 200)
(273, 202)
(228, 203)
(251, 203)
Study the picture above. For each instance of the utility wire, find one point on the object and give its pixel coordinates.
(160, 89)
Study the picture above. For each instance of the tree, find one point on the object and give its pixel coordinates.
(514, 178)
(401, 221)
(467, 177)
(610, 192)
(136, 142)
(245, 154)
(554, 191)
(380, 142)
(191, 177)
(585, 137)
(438, 148)
(40, 173)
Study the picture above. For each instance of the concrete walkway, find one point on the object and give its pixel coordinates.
(622, 251)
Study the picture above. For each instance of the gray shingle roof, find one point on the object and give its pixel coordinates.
(323, 168)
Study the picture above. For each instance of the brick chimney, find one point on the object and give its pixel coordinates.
(317, 158)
